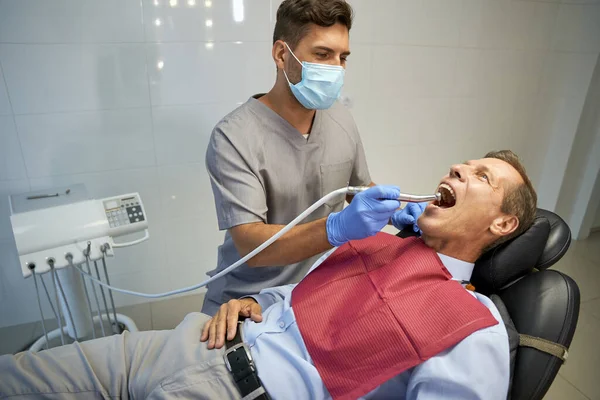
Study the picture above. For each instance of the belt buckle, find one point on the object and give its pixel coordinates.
(235, 348)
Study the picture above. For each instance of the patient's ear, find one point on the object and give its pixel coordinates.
(504, 225)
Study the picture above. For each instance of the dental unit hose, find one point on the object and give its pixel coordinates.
(352, 190)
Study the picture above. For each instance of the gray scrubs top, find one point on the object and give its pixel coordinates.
(263, 170)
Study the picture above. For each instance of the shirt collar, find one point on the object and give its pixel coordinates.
(460, 270)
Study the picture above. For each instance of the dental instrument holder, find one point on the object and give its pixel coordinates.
(56, 233)
(409, 198)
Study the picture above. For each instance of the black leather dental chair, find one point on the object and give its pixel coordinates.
(540, 307)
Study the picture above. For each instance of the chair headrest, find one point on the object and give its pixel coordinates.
(543, 244)
(558, 241)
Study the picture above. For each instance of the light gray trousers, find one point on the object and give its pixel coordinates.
(142, 365)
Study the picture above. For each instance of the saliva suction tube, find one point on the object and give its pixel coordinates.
(352, 190)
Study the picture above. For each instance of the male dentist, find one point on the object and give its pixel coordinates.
(280, 152)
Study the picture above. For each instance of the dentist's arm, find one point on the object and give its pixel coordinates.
(366, 215)
(301, 242)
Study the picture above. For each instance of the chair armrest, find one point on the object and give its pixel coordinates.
(543, 304)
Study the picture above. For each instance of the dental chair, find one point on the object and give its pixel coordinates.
(540, 307)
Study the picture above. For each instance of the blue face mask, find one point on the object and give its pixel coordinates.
(320, 86)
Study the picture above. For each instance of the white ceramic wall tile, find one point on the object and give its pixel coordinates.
(530, 140)
(65, 21)
(191, 249)
(528, 71)
(357, 80)
(193, 20)
(414, 22)
(362, 24)
(142, 257)
(567, 74)
(11, 158)
(188, 73)
(357, 83)
(547, 1)
(50, 78)
(561, 120)
(378, 24)
(400, 71)
(429, 22)
(4, 102)
(7, 188)
(483, 72)
(407, 121)
(55, 144)
(273, 14)
(531, 24)
(485, 23)
(186, 192)
(485, 122)
(385, 168)
(578, 28)
(182, 132)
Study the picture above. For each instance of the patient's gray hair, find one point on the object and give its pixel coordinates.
(519, 200)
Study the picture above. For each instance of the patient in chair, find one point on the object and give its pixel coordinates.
(378, 318)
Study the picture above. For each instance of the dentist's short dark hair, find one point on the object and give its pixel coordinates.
(294, 18)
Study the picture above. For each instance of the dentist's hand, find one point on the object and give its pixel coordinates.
(226, 321)
(409, 216)
(366, 215)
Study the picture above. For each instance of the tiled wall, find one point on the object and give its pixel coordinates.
(122, 95)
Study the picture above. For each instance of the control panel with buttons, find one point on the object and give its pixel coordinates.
(124, 211)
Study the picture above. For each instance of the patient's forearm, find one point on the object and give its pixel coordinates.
(301, 242)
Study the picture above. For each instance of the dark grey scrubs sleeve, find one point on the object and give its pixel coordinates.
(360, 171)
(239, 195)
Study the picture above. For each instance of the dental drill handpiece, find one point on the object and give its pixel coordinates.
(410, 198)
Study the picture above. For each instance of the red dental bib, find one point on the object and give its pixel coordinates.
(379, 306)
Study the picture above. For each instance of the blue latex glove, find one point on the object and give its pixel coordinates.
(366, 215)
(409, 216)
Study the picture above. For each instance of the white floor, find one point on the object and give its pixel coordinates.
(578, 379)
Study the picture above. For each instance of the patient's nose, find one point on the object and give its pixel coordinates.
(455, 171)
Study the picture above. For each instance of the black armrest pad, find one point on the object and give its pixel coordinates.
(543, 304)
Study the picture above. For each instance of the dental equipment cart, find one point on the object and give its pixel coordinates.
(60, 234)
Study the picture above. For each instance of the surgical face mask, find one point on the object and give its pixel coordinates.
(320, 86)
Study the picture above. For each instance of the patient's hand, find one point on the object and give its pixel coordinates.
(225, 320)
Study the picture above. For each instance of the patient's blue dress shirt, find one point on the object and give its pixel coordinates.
(475, 368)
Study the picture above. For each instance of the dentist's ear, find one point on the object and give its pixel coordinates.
(504, 225)
(278, 52)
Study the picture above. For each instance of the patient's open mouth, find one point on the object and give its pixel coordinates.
(448, 198)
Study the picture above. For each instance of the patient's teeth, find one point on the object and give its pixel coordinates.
(450, 190)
